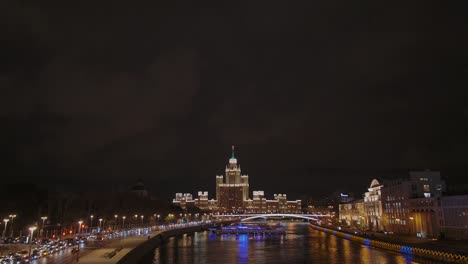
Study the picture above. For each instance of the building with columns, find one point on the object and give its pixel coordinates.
(373, 206)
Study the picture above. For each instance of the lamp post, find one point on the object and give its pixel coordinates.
(12, 216)
(79, 227)
(91, 225)
(6, 224)
(123, 222)
(115, 221)
(142, 216)
(42, 227)
(31, 230)
(100, 222)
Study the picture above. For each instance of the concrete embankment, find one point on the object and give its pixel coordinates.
(145, 248)
(398, 247)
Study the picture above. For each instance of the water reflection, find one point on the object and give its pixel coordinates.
(301, 244)
(243, 246)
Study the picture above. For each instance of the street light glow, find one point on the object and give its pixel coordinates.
(79, 226)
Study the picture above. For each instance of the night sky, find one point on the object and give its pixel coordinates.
(317, 96)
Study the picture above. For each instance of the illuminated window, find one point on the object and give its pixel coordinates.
(426, 188)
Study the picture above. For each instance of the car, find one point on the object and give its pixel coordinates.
(4, 259)
(75, 249)
(17, 260)
(36, 254)
(23, 253)
(45, 252)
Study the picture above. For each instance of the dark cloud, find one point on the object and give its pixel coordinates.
(328, 91)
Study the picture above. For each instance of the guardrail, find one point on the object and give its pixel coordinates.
(405, 249)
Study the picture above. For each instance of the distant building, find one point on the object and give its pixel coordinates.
(352, 214)
(234, 190)
(373, 206)
(455, 217)
(410, 203)
(184, 200)
(232, 196)
(139, 189)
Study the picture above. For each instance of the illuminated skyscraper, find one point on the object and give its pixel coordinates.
(232, 196)
(233, 190)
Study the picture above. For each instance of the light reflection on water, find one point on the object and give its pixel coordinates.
(301, 244)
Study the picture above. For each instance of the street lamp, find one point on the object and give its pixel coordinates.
(136, 219)
(123, 221)
(6, 224)
(79, 227)
(91, 216)
(31, 230)
(142, 216)
(100, 221)
(12, 216)
(42, 227)
(115, 221)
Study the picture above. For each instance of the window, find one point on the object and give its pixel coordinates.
(426, 188)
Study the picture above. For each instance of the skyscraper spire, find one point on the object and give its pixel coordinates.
(233, 152)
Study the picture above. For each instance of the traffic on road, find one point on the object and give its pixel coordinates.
(70, 249)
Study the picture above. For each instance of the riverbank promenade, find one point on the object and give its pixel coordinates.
(105, 255)
(451, 246)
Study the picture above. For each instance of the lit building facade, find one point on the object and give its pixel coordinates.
(373, 206)
(232, 196)
(352, 214)
(233, 190)
(411, 204)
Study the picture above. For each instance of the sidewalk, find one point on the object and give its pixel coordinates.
(125, 245)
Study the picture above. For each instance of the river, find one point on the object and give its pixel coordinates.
(301, 244)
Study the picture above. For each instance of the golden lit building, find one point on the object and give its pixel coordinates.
(352, 214)
(233, 190)
(232, 196)
(373, 206)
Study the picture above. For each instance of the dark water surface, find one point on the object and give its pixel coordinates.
(301, 244)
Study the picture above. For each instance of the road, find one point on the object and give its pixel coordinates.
(66, 256)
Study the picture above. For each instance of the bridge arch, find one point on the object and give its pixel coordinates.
(281, 215)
